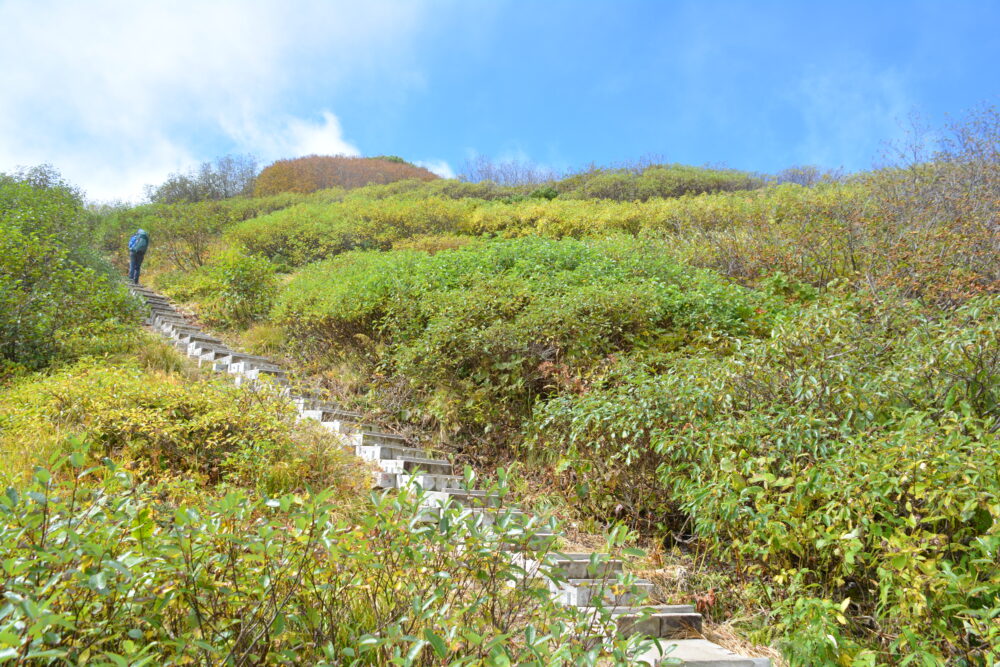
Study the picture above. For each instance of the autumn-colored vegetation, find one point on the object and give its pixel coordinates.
(152, 514)
(317, 172)
(792, 380)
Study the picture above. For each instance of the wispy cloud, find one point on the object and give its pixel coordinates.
(848, 111)
(439, 167)
(290, 136)
(118, 94)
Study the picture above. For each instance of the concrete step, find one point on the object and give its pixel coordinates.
(586, 592)
(388, 452)
(535, 540)
(235, 357)
(306, 403)
(661, 622)
(467, 498)
(176, 329)
(371, 438)
(697, 653)
(211, 356)
(185, 333)
(199, 348)
(573, 566)
(431, 482)
(276, 385)
(353, 428)
(245, 366)
(274, 375)
(165, 320)
(166, 327)
(347, 420)
(487, 516)
(384, 480)
(189, 338)
(410, 465)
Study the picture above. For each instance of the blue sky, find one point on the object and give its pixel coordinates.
(119, 94)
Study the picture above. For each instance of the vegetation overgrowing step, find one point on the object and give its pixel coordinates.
(575, 579)
(388, 452)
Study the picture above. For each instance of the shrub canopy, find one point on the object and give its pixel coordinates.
(317, 172)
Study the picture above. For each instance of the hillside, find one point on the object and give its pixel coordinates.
(790, 393)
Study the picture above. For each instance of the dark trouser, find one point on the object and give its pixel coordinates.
(134, 264)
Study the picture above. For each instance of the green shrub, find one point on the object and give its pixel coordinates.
(309, 232)
(654, 181)
(110, 571)
(54, 292)
(168, 425)
(233, 290)
(248, 285)
(849, 463)
(478, 331)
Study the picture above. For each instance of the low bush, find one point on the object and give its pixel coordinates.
(849, 464)
(102, 569)
(318, 172)
(310, 232)
(233, 290)
(167, 425)
(54, 293)
(654, 181)
(479, 331)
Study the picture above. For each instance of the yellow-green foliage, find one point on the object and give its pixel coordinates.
(850, 463)
(57, 298)
(308, 232)
(479, 331)
(100, 569)
(167, 424)
(653, 181)
(816, 234)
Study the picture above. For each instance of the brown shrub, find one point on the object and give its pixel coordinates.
(318, 172)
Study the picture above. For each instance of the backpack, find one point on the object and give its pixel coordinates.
(138, 243)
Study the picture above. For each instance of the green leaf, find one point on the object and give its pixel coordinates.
(436, 643)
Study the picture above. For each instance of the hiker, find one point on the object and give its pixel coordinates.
(136, 251)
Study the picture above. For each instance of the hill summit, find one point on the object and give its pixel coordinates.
(318, 172)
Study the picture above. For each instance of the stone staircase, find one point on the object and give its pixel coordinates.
(576, 579)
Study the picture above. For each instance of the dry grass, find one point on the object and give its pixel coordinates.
(726, 636)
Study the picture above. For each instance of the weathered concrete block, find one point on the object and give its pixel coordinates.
(585, 592)
(484, 516)
(369, 438)
(430, 482)
(573, 566)
(387, 452)
(698, 653)
(411, 465)
(468, 498)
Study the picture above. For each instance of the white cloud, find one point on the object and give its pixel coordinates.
(116, 94)
(326, 138)
(271, 139)
(439, 167)
(848, 110)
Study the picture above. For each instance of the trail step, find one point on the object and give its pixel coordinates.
(469, 498)
(574, 578)
(698, 653)
(411, 464)
(585, 592)
(572, 566)
(431, 482)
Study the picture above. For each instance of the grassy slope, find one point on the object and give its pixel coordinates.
(775, 425)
